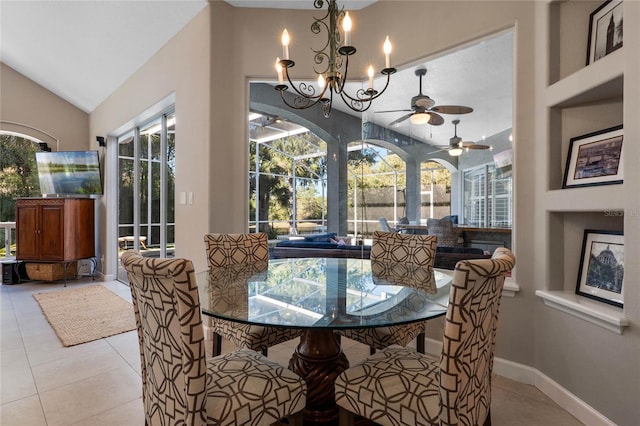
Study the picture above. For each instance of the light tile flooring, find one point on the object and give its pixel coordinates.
(98, 383)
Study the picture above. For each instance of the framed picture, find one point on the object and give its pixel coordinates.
(594, 159)
(602, 266)
(605, 30)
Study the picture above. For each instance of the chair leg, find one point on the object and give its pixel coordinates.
(487, 421)
(265, 351)
(372, 350)
(295, 419)
(420, 343)
(216, 344)
(345, 417)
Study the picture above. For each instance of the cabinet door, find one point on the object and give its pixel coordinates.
(27, 232)
(52, 232)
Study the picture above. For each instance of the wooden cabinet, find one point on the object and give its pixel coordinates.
(55, 229)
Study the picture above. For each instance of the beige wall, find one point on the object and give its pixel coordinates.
(181, 68)
(30, 109)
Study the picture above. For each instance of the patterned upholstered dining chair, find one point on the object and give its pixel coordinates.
(448, 236)
(181, 387)
(412, 251)
(400, 386)
(238, 249)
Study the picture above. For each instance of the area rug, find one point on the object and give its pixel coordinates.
(84, 314)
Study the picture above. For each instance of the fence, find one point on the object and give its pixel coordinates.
(7, 233)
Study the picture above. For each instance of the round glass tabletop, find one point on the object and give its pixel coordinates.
(326, 293)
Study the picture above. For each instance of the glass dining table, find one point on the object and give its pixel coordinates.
(320, 296)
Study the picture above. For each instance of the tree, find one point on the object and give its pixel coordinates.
(277, 178)
(18, 173)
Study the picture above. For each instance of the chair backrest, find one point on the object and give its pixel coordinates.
(399, 273)
(470, 328)
(443, 229)
(171, 338)
(236, 249)
(384, 224)
(452, 217)
(410, 249)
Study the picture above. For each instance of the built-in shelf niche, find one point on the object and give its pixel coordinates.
(568, 36)
(587, 101)
(566, 234)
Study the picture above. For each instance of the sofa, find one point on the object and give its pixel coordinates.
(324, 245)
(319, 245)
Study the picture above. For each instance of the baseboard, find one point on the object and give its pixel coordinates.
(103, 277)
(531, 376)
(568, 401)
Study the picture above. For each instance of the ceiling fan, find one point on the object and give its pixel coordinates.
(423, 110)
(457, 145)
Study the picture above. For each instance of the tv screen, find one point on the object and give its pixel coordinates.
(69, 173)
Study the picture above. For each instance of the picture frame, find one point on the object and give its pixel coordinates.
(595, 159)
(601, 272)
(605, 30)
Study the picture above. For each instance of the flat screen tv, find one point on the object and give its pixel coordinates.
(69, 173)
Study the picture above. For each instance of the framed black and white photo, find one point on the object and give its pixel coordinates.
(605, 30)
(595, 159)
(601, 272)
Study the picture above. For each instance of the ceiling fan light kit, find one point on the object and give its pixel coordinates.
(455, 152)
(457, 145)
(331, 79)
(420, 118)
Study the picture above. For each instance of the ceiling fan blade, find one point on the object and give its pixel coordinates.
(435, 119)
(400, 120)
(452, 109)
(394, 110)
(477, 146)
(472, 145)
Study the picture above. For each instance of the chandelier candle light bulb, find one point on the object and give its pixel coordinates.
(370, 73)
(285, 44)
(386, 47)
(346, 25)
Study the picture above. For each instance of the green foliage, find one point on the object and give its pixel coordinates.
(309, 204)
(18, 173)
(276, 178)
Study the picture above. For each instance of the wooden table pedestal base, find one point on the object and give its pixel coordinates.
(319, 360)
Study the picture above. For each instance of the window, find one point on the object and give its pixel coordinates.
(146, 200)
(435, 190)
(18, 178)
(487, 197)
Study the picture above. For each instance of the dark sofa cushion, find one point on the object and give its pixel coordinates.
(460, 250)
(323, 238)
(306, 244)
(351, 247)
(447, 257)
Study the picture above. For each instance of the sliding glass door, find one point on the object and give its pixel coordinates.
(146, 165)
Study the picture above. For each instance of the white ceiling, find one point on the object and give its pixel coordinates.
(84, 50)
(479, 76)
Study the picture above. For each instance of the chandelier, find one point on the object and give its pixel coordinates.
(335, 54)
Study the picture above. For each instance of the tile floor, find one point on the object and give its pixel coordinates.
(98, 383)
